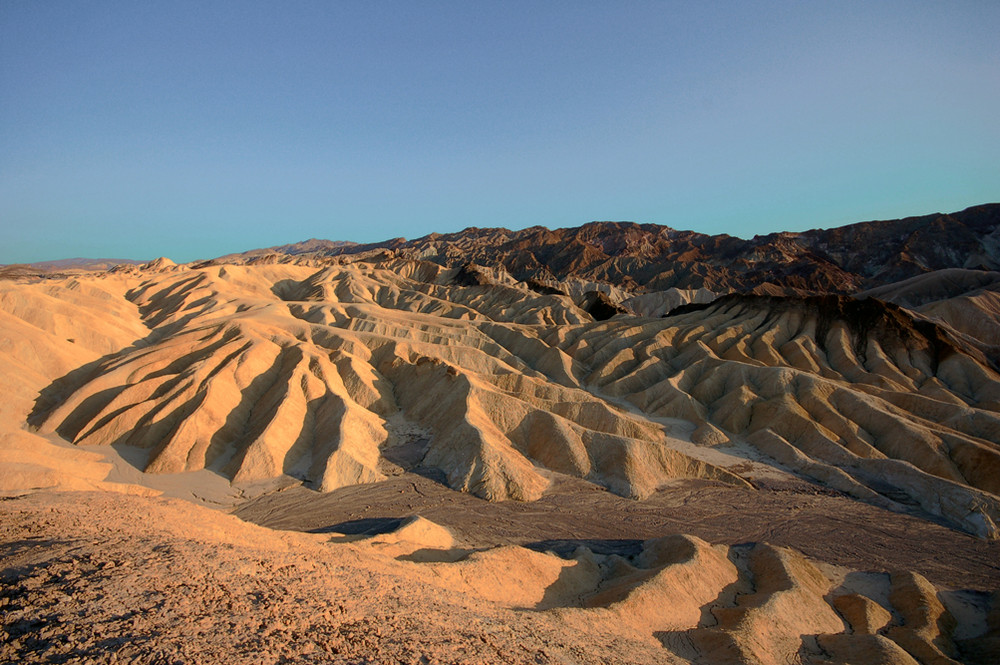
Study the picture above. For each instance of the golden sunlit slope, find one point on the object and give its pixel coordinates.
(271, 369)
(322, 371)
(333, 372)
(48, 330)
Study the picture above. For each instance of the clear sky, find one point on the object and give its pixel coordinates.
(193, 129)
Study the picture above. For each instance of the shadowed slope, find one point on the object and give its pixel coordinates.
(968, 301)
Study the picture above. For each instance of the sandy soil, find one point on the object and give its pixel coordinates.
(102, 578)
(106, 578)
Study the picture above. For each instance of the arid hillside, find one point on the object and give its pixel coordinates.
(511, 431)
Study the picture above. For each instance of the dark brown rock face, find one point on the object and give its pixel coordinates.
(648, 257)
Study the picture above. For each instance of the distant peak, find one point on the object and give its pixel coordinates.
(160, 264)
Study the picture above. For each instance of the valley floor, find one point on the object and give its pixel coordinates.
(819, 522)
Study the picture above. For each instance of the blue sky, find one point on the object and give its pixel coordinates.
(194, 129)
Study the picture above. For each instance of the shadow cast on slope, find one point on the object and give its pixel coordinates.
(53, 395)
(369, 526)
(566, 548)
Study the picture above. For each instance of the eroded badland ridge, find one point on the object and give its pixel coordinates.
(508, 431)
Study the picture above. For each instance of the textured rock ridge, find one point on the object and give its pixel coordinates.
(262, 370)
(649, 258)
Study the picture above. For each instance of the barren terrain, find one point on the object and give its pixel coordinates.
(432, 460)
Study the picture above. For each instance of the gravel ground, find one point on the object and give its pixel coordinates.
(105, 578)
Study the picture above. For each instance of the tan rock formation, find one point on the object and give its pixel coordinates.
(318, 369)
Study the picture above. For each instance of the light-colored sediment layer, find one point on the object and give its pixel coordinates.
(263, 370)
(968, 301)
(266, 369)
(872, 413)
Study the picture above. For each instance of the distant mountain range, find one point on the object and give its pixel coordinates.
(648, 257)
(62, 266)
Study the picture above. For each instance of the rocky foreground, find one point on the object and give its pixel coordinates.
(103, 577)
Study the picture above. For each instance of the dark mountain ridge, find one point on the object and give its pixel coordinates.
(649, 257)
